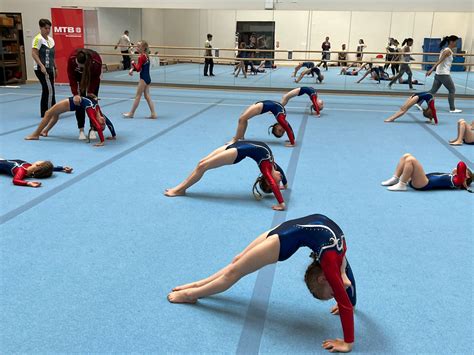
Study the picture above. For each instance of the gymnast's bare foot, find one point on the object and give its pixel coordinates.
(184, 287)
(181, 297)
(31, 138)
(174, 192)
(44, 134)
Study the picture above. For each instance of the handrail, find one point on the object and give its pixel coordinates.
(234, 59)
(282, 50)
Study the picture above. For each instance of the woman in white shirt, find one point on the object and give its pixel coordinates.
(443, 71)
(45, 68)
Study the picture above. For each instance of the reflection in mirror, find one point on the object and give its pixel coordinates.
(332, 50)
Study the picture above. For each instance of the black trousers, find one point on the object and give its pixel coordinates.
(125, 60)
(81, 113)
(208, 64)
(48, 95)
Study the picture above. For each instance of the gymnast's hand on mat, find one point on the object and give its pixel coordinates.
(67, 169)
(33, 184)
(288, 144)
(335, 310)
(110, 138)
(100, 144)
(279, 207)
(337, 345)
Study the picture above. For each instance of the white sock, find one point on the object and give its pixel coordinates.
(400, 186)
(93, 135)
(392, 181)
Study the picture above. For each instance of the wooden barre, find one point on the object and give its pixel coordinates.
(234, 59)
(281, 50)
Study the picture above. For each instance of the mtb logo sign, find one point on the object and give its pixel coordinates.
(68, 33)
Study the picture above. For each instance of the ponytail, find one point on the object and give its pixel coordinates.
(406, 40)
(448, 39)
(264, 186)
(469, 181)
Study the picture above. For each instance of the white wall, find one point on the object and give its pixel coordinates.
(112, 23)
(333, 5)
(306, 30)
(294, 29)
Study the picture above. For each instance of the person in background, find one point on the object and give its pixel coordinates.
(405, 67)
(45, 67)
(442, 69)
(124, 43)
(326, 55)
(389, 56)
(395, 67)
(360, 50)
(208, 62)
(342, 56)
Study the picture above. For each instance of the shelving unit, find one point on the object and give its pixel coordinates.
(12, 49)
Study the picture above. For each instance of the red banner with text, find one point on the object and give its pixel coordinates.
(68, 34)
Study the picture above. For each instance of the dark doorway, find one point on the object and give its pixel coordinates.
(257, 35)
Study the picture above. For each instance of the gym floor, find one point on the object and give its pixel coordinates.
(88, 259)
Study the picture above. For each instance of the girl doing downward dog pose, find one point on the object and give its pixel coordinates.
(376, 73)
(143, 67)
(21, 169)
(277, 129)
(311, 71)
(328, 276)
(89, 104)
(410, 171)
(307, 65)
(417, 99)
(465, 134)
(317, 104)
(234, 153)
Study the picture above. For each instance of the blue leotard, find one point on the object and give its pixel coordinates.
(272, 106)
(143, 67)
(263, 156)
(324, 237)
(306, 90)
(423, 96)
(437, 181)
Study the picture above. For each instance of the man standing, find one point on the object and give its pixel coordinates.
(124, 44)
(208, 62)
(326, 55)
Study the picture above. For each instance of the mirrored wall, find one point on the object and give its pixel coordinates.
(273, 43)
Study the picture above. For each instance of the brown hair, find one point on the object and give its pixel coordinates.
(274, 130)
(264, 186)
(145, 45)
(44, 22)
(44, 170)
(428, 113)
(469, 179)
(311, 275)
